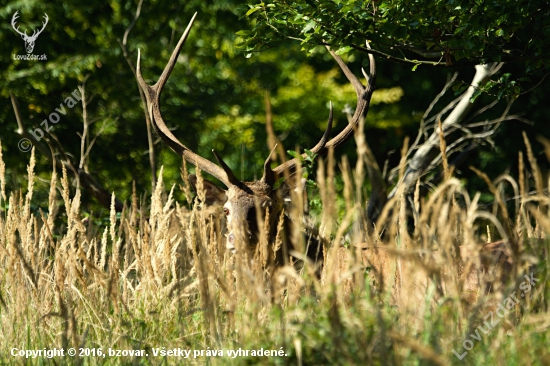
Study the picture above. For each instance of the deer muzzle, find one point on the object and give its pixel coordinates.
(230, 243)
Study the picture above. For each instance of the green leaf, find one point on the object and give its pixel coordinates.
(295, 154)
(343, 50)
(252, 11)
(476, 94)
(310, 25)
(243, 33)
(310, 156)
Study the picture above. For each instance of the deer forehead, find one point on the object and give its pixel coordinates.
(239, 202)
(238, 198)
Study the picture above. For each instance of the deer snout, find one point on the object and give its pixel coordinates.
(230, 243)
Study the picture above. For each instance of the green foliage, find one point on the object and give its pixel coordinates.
(439, 32)
(307, 165)
(214, 97)
(468, 30)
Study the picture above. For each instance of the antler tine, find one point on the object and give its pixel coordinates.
(13, 21)
(230, 176)
(364, 95)
(152, 95)
(37, 32)
(357, 85)
(322, 143)
(170, 65)
(45, 22)
(291, 164)
(269, 175)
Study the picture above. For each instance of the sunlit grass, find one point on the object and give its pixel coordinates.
(158, 277)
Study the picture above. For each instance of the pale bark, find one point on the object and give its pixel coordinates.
(425, 153)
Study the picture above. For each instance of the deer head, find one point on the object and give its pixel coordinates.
(29, 40)
(242, 200)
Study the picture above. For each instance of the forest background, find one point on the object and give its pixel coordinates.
(239, 51)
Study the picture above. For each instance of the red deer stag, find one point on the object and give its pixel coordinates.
(241, 199)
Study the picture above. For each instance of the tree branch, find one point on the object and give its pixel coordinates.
(424, 154)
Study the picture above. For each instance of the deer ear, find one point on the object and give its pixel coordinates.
(214, 195)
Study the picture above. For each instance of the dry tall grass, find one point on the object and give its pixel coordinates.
(158, 275)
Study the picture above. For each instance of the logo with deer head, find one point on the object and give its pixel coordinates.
(29, 40)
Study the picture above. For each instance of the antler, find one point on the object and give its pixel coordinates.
(13, 19)
(35, 34)
(364, 95)
(152, 94)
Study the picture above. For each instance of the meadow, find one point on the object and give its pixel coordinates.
(155, 285)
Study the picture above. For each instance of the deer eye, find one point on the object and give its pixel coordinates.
(226, 211)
